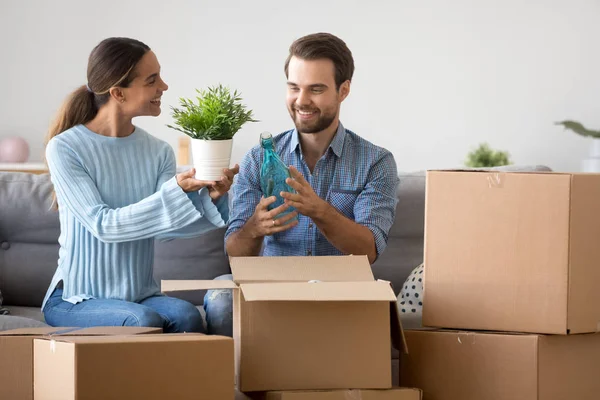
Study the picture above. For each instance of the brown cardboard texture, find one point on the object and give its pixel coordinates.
(352, 394)
(301, 269)
(291, 334)
(512, 252)
(16, 348)
(169, 366)
(449, 365)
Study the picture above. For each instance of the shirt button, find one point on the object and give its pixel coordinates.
(310, 225)
(4, 245)
(309, 253)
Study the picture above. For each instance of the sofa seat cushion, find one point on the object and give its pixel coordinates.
(8, 322)
(26, 312)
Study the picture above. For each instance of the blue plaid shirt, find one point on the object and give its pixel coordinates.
(356, 177)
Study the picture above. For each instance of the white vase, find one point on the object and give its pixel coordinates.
(210, 157)
(592, 164)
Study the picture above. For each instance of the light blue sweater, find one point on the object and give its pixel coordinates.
(115, 196)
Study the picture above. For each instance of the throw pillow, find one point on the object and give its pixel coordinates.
(410, 299)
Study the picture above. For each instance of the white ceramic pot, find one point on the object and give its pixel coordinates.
(592, 164)
(210, 157)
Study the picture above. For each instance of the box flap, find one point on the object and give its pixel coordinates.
(94, 331)
(182, 285)
(294, 269)
(467, 332)
(493, 171)
(348, 394)
(32, 331)
(152, 338)
(320, 291)
(107, 331)
(396, 330)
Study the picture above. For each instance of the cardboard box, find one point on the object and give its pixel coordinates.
(293, 335)
(16, 349)
(351, 394)
(150, 367)
(512, 252)
(450, 365)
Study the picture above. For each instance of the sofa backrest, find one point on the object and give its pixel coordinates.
(404, 250)
(29, 230)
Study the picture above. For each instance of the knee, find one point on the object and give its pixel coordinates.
(188, 319)
(219, 297)
(219, 312)
(143, 317)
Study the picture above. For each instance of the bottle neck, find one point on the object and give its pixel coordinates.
(267, 144)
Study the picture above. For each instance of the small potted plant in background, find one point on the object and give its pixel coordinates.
(211, 120)
(591, 164)
(485, 157)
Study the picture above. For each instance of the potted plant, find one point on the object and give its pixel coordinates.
(485, 157)
(591, 164)
(211, 120)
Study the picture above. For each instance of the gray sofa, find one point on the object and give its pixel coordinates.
(29, 230)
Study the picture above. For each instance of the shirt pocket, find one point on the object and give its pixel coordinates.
(343, 200)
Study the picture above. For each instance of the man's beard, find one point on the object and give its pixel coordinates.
(322, 122)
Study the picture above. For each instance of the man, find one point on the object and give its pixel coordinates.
(345, 186)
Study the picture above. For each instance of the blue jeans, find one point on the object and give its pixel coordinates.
(218, 305)
(171, 314)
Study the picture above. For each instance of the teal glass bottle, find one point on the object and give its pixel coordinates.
(273, 173)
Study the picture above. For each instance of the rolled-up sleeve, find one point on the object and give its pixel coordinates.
(375, 206)
(245, 192)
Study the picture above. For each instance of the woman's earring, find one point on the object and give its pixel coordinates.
(122, 100)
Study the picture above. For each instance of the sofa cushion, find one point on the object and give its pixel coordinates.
(197, 258)
(29, 232)
(26, 312)
(405, 240)
(8, 322)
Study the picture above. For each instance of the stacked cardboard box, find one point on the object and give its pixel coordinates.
(310, 323)
(512, 282)
(16, 348)
(114, 363)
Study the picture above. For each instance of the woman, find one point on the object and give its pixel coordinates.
(117, 190)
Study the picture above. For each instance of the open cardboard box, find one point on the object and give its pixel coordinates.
(291, 334)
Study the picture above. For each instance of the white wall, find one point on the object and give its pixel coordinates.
(433, 77)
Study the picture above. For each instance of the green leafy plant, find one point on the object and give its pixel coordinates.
(485, 157)
(579, 129)
(215, 114)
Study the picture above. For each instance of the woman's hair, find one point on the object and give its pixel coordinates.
(110, 64)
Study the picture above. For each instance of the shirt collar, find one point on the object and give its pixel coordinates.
(337, 144)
